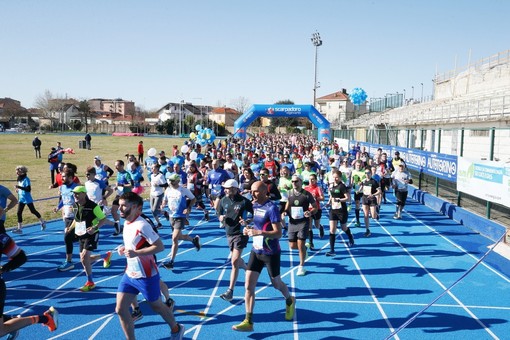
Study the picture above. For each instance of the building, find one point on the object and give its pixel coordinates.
(337, 108)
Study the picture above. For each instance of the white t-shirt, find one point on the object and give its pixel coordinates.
(156, 181)
(94, 191)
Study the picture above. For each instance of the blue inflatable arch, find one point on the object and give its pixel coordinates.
(290, 111)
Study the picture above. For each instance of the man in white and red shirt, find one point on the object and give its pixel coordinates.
(141, 242)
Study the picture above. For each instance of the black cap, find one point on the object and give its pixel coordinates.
(397, 153)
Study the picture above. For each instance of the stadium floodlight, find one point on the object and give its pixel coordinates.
(317, 41)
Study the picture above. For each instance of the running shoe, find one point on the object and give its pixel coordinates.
(357, 224)
(168, 264)
(159, 226)
(13, 335)
(179, 334)
(228, 295)
(196, 242)
(107, 259)
(88, 286)
(331, 253)
(289, 310)
(244, 326)
(395, 217)
(65, 266)
(136, 315)
(206, 216)
(170, 303)
(17, 231)
(301, 271)
(321, 231)
(52, 315)
(351, 240)
(368, 233)
(167, 216)
(43, 225)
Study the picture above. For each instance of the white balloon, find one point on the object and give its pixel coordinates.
(184, 148)
(193, 155)
(152, 152)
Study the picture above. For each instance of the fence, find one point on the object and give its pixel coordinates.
(478, 144)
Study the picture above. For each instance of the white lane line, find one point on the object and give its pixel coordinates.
(466, 309)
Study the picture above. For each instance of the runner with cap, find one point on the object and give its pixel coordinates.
(301, 205)
(88, 218)
(234, 212)
(179, 200)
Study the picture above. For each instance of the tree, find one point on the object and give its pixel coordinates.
(48, 103)
(84, 109)
(281, 121)
(240, 104)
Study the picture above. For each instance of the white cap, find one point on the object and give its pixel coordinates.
(231, 183)
(98, 158)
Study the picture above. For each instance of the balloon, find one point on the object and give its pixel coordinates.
(358, 96)
(152, 152)
(203, 142)
(192, 135)
(198, 127)
(184, 148)
(207, 136)
(193, 155)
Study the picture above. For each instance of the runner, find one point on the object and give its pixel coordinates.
(141, 275)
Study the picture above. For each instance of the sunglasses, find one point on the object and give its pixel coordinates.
(296, 181)
(264, 174)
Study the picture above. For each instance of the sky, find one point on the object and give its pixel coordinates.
(213, 52)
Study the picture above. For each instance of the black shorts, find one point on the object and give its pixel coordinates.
(3, 294)
(317, 215)
(338, 215)
(237, 241)
(299, 231)
(357, 196)
(178, 223)
(258, 261)
(371, 201)
(401, 197)
(89, 242)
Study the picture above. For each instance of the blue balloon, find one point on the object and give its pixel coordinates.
(198, 127)
(358, 96)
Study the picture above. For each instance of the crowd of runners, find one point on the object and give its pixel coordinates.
(263, 188)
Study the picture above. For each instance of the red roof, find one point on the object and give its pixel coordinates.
(339, 95)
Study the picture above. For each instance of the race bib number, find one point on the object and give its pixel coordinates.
(191, 187)
(401, 185)
(367, 191)
(134, 268)
(80, 228)
(297, 212)
(258, 242)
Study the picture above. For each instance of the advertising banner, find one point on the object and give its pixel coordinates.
(487, 180)
(431, 163)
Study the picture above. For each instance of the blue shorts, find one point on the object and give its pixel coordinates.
(148, 287)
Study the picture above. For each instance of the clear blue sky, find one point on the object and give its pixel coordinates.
(158, 51)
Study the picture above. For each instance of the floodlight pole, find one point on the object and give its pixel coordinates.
(317, 41)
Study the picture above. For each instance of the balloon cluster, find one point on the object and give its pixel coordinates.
(203, 136)
(358, 96)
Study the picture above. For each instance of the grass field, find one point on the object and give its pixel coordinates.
(16, 149)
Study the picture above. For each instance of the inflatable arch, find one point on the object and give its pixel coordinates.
(291, 111)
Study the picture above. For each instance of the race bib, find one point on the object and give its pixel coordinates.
(258, 242)
(401, 185)
(80, 228)
(134, 268)
(68, 211)
(297, 213)
(191, 187)
(336, 204)
(367, 191)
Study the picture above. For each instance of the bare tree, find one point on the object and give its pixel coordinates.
(240, 104)
(48, 103)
